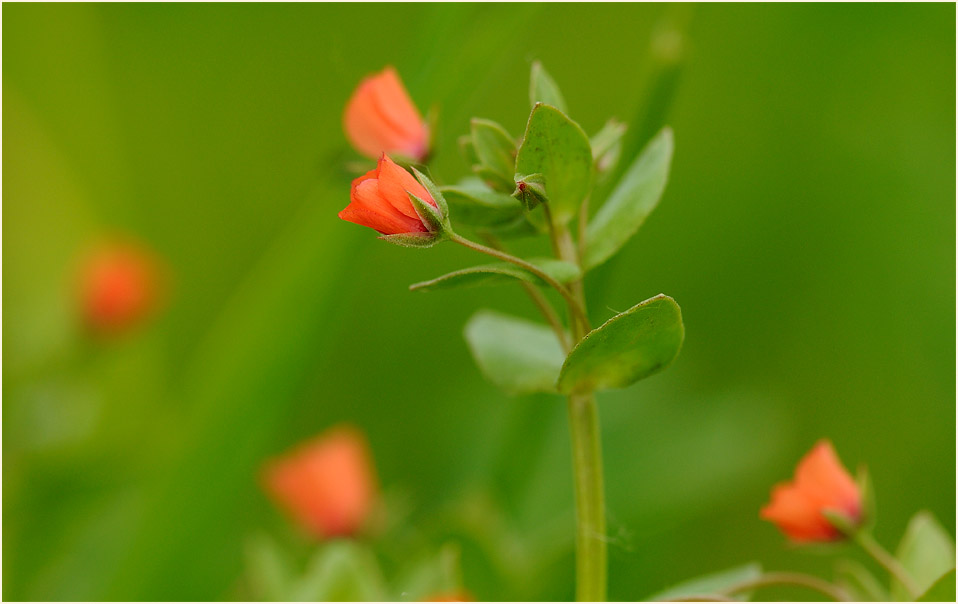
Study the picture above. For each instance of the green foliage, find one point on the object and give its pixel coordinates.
(517, 355)
(501, 272)
(926, 552)
(412, 239)
(854, 578)
(607, 146)
(633, 199)
(943, 590)
(543, 89)
(473, 203)
(557, 148)
(340, 571)
(628, 347)
(711, 584)
(496, 151)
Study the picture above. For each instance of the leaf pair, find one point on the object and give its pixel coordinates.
(520, 356)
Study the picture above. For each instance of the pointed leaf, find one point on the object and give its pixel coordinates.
(628, 347)
(517, 355)
(926, 552)
(500, 272)
(543, 89)
(471, 202)
(341, 571)
(714, 584)
(633, 199)
(557, 148)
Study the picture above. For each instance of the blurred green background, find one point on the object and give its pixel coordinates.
(807, 232)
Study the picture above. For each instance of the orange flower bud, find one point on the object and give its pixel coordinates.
(821, 484)
(381, 118)
(119, 286)
(379, 200)
(328, 484)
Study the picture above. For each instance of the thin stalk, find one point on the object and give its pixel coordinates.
(794, 579)
(574, 305)
(886, 560)
(590, 543)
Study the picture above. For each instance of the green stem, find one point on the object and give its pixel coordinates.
(591, 549)
(795, 579)
(881, 555)
(574, 305)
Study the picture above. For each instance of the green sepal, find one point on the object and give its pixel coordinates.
(435, 192)
(517, 355)
(625, 349)
(530, 190)
(414, 239)
(431, 216)
(501, 272)
(869, 513)
(848, 526)
(543, 89)
(495, 149)
(557, 148)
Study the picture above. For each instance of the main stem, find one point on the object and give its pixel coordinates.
(590, 544)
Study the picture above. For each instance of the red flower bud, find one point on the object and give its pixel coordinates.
(379, 200)
(119, 286)
(328, 484)
(381, 118)
(821, 484)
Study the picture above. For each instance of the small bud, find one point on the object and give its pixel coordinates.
(822, 503)
(119, 287)
(381, 118)
(530, 190)
(328, 485)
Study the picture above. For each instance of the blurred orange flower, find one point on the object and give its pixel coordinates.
(328, 484)
(119, 286)
(379, 200)
(381, 118)
(821, 483)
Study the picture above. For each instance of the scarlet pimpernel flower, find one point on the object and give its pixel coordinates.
(119, 285)
(328, 484)
(381, 118)
(821, 487)
(380, 200)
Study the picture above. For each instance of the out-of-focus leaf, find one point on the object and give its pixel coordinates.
(628, 347)
(926, 552)
(712, 584)
(517, 355)
(543, 89)
(270, 573)
(438, 573)
(943, 590)
(858, 581)
(633, 199)
(473, 203)
(607, 146)
(501, 272)
(557, 148)
(341, 571)
(495, 148)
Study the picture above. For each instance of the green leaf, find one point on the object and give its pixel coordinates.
(557, 148)
(472, 203)
(633, 199)
(628, 347)
(517, 355)
(607, 140)
(543, 89)
(926, 552)
(713, 584)
(857, 580)
(501, 272)
(943, 590)
(268, 571)
(341, 571)
(495, 148)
